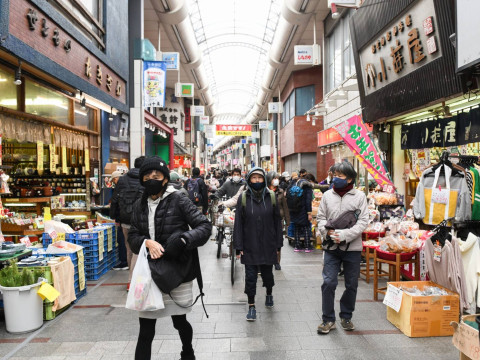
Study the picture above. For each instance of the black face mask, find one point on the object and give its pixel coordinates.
(153, 187)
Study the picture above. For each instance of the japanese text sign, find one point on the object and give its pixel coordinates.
(327, 137)
(234, 130)
(172, 60)
(407, 43)
(154, 79)
(355, 135)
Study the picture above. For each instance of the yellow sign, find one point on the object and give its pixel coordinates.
(48, 292)
(234, 130)
(64, 160)
(53, 163)
(87, 160)
(39, 155)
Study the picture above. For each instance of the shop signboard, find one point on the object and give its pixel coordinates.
(408, 43)
(184, 90)
(154, 80)
(178, 161)
(328, 137)
(198, 110)
(275, 107)
(263, 125)
(307, 54)
(172, 60)
(234, 130)
(209, 131)
(468, 49)
(355, 134)
(204, 120)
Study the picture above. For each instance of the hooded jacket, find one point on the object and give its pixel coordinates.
(332, 205)
(301, 217)
(182, 217)
(128, 182)
(257, 228)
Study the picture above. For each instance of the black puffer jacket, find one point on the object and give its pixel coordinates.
(126, 192)
(181, 214)
(301, 217)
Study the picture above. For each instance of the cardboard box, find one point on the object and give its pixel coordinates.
(465, 338)
(425, 316)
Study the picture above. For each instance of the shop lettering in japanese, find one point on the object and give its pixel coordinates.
(460, 129)
(408, 43)
(234, 130)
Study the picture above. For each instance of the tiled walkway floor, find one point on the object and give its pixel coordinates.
(99, 327)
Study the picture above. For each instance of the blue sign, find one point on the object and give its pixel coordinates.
(172, 59)
(154, 82)
(244, 141)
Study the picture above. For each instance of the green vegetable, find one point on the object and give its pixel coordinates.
(11, 276)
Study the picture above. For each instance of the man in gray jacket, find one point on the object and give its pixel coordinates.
(347, 246)
(231, 186)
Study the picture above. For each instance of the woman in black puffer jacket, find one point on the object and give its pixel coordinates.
(162, 202)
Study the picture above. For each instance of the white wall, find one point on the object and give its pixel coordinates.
(345, 109)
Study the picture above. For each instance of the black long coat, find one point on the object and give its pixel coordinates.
(181, 213)
(301, 217)
(258, 230)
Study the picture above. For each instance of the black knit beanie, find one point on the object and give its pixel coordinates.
(154, 163)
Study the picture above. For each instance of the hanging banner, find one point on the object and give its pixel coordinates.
(39, 155)
(87, 160)
(263, 125)
(198, 110)
(53, 164)
(64, 160)
(188, 119)
(204, 120)
(171, 60)
(355, 135)
(235, 130)
(209, 131)
(154, 79)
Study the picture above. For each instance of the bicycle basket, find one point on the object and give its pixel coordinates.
(228, 220)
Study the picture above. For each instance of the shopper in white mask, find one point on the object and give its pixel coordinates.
(231, 186)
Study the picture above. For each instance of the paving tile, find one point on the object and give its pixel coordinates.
(212, 345)
(40, 349)
(108, 347)
(73, 348)
(248, 344)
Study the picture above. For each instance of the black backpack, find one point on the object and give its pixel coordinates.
(126, 200)
(194, 192)
(294, 197)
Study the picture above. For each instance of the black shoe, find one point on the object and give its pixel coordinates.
(189, 356)
(121, 267)
(278, 267)
(269, 301)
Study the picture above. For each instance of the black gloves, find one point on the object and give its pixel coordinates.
(174, 249)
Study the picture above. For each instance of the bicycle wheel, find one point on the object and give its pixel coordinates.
(232, 266)
(219, 243)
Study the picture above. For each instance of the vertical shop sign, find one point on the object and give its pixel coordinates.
(53, 165)
(64, 160)
(154, 79)
(355, 135)
(40, 155)
(87, 160)
(188, 119)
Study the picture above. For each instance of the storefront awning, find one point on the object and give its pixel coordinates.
(179, 149)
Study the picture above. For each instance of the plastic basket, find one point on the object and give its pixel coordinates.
(392, 256)
(80, 294)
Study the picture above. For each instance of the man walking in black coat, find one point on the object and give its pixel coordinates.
(197, 190)
(127, 191)
(257, 236)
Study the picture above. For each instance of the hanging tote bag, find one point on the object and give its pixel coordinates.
(143, 295)
(440, 203)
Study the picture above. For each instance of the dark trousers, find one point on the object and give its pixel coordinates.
(251, 272)
(122, 250)
(331, 267)
(302, 230)
(143, 350)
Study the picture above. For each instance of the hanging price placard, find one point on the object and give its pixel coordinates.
(64, 160)
(39, 155)
(87, 160)
(53, 163)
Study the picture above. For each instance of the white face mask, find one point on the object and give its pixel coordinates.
(288, 178)
(236, 178)
(275, 182)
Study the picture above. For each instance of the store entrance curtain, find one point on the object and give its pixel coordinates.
(355, 134)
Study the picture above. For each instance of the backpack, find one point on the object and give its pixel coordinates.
(194, 192)
(126, 200)
(273, 198)
(294, 197)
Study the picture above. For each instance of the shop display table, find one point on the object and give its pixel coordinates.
(395, 262)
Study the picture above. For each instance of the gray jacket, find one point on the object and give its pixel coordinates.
(229, 188)
(332, 205)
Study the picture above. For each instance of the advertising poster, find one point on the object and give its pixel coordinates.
(154, 79)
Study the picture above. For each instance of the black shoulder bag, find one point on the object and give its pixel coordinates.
(168, 274)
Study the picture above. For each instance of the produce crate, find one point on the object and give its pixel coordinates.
(48, 313)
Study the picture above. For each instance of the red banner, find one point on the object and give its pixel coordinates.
(235, 130)
(327, 137)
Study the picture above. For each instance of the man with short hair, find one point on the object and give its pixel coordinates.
(231, 186)
(201, 198)
(302, 173)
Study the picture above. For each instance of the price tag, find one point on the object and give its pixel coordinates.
(378, 227)
(393, 298)
(26, 240)
(39, 155)
(64, 160)
(437, 253)
(53, 163)
(90, 225)
(440, 196)
(53, 234)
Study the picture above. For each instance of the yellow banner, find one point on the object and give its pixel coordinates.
(64, 160)
(53, 163)
(87, 160)
(39, 155)
(234, 133)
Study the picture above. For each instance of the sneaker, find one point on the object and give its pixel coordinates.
(278, 267)
(120, 267)
(308, 250)
(252, 314)
(297, 249)
(325, 327)
(347, 324)
(269, 301)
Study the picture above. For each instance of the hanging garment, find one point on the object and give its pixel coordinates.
(441, 197)
(470, 251)
(470, 183)
(476, 194)
(457, 274)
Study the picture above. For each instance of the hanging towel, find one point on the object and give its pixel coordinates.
(64, 282)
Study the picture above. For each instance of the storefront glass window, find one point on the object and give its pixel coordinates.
(8, 90)
(84, 118)
(286, 112)
(45, 102)
(305, 99)
(292, 106)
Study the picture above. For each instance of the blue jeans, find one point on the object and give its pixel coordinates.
(351, 269)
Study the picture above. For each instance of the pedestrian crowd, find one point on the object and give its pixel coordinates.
(166, 213)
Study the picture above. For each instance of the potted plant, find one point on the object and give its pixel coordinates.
(23, 306)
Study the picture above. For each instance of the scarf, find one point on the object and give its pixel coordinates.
(343, 191)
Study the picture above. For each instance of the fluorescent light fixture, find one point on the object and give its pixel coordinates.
(19, 204)
(73, 194)
(110, 117)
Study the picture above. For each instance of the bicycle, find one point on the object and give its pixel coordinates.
(224, 221)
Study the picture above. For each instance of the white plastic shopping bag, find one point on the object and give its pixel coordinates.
(144, 294)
